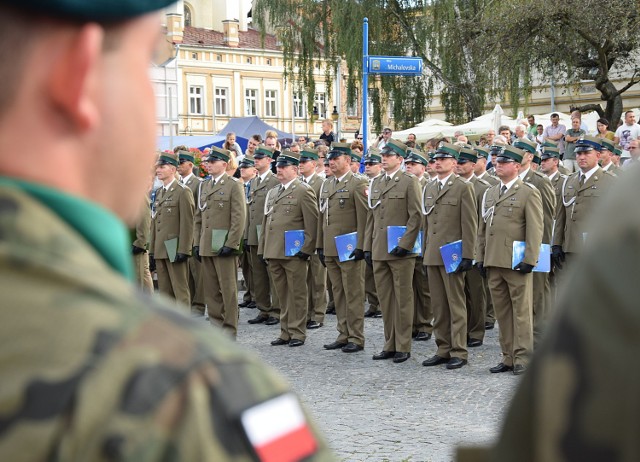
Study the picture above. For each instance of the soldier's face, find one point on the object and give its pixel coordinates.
(247, 173)
(507, 171)
(445, 165)
(465, 168)
(339, 165)
(480, 166)
(372, 170)
(307, 168)
(287, 173)
(185, 168)
(263, 164)
(391, 162)
(165, 172)
(415, 168)
(587, 159)
(217, 168)
(549, 166)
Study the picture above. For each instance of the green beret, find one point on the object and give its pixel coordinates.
(511, 153)
(468, 153)
(447, 150)
(607, 144)
(395, 147)
(100, 11)
(186, 156)
(288, 157)
(217, 153)
(526, 145)
(167, 158)
(417, 156)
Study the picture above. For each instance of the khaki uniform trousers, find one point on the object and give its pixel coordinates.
(317, 285)
(490, 315)
(173, 280)
(395, 292)
(143, 274)
(263, 291)
(348, 293)
(370, 289)
(512, 296)
(450, 312)
(290, 281)
(221, 291)
(196, 286)
(331, 303)
(422, 313)
(245, 264)
(476, 298)
(541, 300)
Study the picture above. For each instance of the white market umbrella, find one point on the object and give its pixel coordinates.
(497, 117)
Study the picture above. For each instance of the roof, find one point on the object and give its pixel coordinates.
(251, 39)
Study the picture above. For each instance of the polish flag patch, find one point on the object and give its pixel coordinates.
(278, 430)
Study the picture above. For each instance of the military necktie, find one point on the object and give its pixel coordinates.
(259, 180)
(387, 178)
(247, 188)
(503, 190)
(582, 179)
(439, 186)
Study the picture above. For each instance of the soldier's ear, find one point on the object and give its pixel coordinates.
(74, 73)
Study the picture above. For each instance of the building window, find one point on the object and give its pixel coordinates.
(194, 56)
(321, 104)
(299, 106)
(268, 61)
(270, 103)
(188, 15)
(249, 60)
(195, 100)
(221, 101)
(352, 109)
(219, 58)
(250, 102)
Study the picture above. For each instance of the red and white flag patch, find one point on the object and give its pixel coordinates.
(278, 430)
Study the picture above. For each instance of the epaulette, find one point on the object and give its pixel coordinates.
(306, 185)
(484, 182)
(607, 172)
(530, 185)
(410, 175)
(234, 178)
(182, 185)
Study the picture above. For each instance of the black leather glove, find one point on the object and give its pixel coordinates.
(137, 250)
(226, 251)
(321, 256)
(465, 265)
(368, 259)
(196, 252)
(181, 258)
(302, 256)
(557, 256)
(152, 263)
(245, 243)
(482, 269)
(262, 260)
(398, 251)
(524, 268)
(357, 254)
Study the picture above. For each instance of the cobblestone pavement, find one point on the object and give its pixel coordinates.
(380, 411)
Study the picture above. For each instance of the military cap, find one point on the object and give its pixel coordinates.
(526, 145)
(481, 151)
(326, 161)
(339, 149)
(431, 155)
(467, 154)
(417, 156)
(247, 161)
(288, 157)
(217, 153)
(395, 148)
(607, 144)
(373, 157)
(496, 149)
(617, 150)
(550, 152)
(308, 154)
(90, 11)
(263, 151)
(510, 154)
(167, 158)
(447, 150)
(587, 143)
(186, 156)
(355, 157)
(536, 158)
(549, 144)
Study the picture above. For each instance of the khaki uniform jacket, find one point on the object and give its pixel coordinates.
(516, 216)
(396, 203)
(257, 195)
(315, 183)
(479, 187)
(143, 226)
(222, 206)
(451, 215)
(173, 217)
(193, 183)
(343, 210)
(492, 180)
(292, 209)
(547, 194)
(613, 169)
(578, 203)
(557, 182)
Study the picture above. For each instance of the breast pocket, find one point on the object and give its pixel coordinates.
(509, 209)
(219, 201)
(396, 195)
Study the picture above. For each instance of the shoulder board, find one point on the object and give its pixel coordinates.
(182, 185)
(607, 172)
(574, 175)
(541, 175)
(529, 184)
(234, 178)
(410, 175)
(484, 182)
(305, 185)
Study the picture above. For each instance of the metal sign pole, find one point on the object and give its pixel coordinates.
(365, 83)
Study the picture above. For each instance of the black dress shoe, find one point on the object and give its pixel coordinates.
(258, 319)
(314, 325)
(279, 341)
(401, 357)
(271, 321)
(502, 367)
(422, 336)
(244, 304)
(488, 325)
(252, 305)
(352, 348)
(330, 311)
(474, 342)
(384, 355)
(434, 361)
(378, 314)
(519, 369)
(295, 342)
(369, 314)
(334, 346)
(456, 363)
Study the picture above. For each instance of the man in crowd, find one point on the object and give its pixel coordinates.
(383, 139)
(626, 133)
(327, 132)
(571, 136)
(555, 132)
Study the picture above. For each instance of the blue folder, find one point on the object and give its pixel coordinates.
(543, 265)
(451, 255)
(346, 244)
(293, 242)
(395, 233)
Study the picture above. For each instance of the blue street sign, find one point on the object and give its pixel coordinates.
(395, 65)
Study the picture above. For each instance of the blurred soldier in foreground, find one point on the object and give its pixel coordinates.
(576, 402)
(372, 169)
(93, 369)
